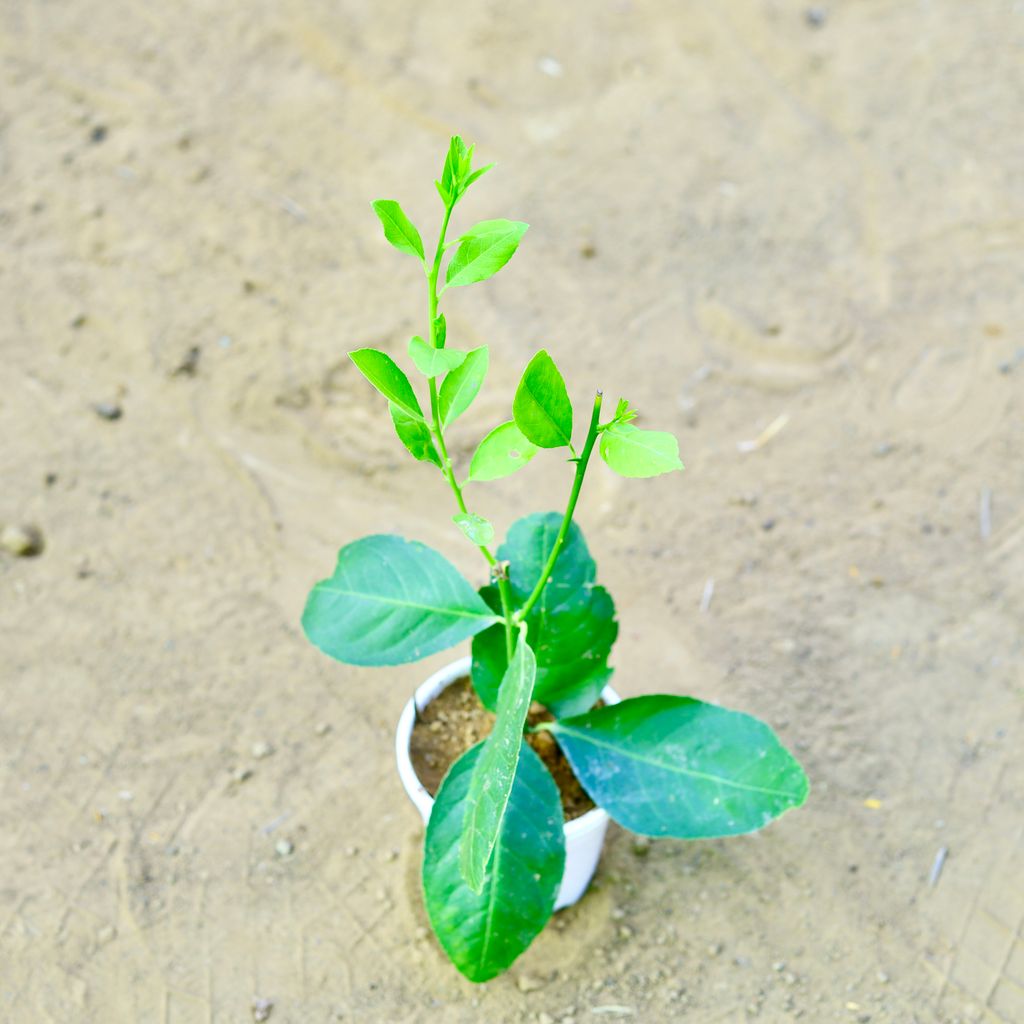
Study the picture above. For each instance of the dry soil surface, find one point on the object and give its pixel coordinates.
(756, 221)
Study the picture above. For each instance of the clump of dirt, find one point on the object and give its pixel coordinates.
(455, 720)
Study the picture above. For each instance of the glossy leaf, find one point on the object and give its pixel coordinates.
(388, 378)
(501, 453)
(391, 601)
(571, 627)
(398, 229)
(432, 362)
(483, 251)
(462, 385)
(633, 452)
(495, 770)
(675, 766)
(415, 435)
(477, 529)
(484, 932)
(541, 408)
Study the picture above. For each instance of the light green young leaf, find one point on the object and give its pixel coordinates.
(432, 362)
(483, 251)
(475, 175)
(391, 601)
(495, 769)
(633, 452)
(675, 766)
(541, 408)
(476, 528)
(456, 166)
(461, 386)
(388, 378)
(415, 435)
(484, 932)
(501, 453)
(440, 331)
(398, 229)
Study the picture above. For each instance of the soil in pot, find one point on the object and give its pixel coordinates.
(455, 719)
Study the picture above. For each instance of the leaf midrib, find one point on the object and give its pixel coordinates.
(585, 737)
(537, 402)
(409, 604)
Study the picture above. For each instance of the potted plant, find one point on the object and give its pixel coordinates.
(542, 630)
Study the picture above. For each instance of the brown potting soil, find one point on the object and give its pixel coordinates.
(455, 719)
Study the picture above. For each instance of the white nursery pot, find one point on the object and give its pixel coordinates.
(584, 836)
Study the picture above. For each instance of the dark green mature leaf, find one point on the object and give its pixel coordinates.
(398, 229)
(500, 453)
(541, 408)
(390, 601)
(432, 362)
(484, 932)
(571, 627)
(415, 435)
(495, 770)
(675, 766)
(461, 386)
(483, 251)
(388, 378)
(633, 452)
(476, 528)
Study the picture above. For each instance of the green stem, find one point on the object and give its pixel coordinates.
(577, 483)
(446, 463)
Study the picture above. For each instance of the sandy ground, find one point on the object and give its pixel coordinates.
(740, 219)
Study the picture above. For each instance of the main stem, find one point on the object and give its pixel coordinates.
(577, 483)
(504, 590)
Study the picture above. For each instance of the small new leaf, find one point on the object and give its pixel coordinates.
(387, 377)
(415, 435)
(398, 229)
(501, 453)
(633, 452)
(432, 362)
(483, 251)
(541, 407)
(461, 386)
(476, 528)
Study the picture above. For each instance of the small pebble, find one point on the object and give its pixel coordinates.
(618, 914)
(284, 847)
(392, 854)
(22, 541)
(779, 965)
(98, 134)
(106, 934)
(108, 410)
(261, 750)
(262, 1009)
(883, 978)
(625, 932)
(322, 728)
(715, 949)
(241, 774)
(351, 851)
(529, 983)
(815, 16)
(641, 846)
(545, 1018)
